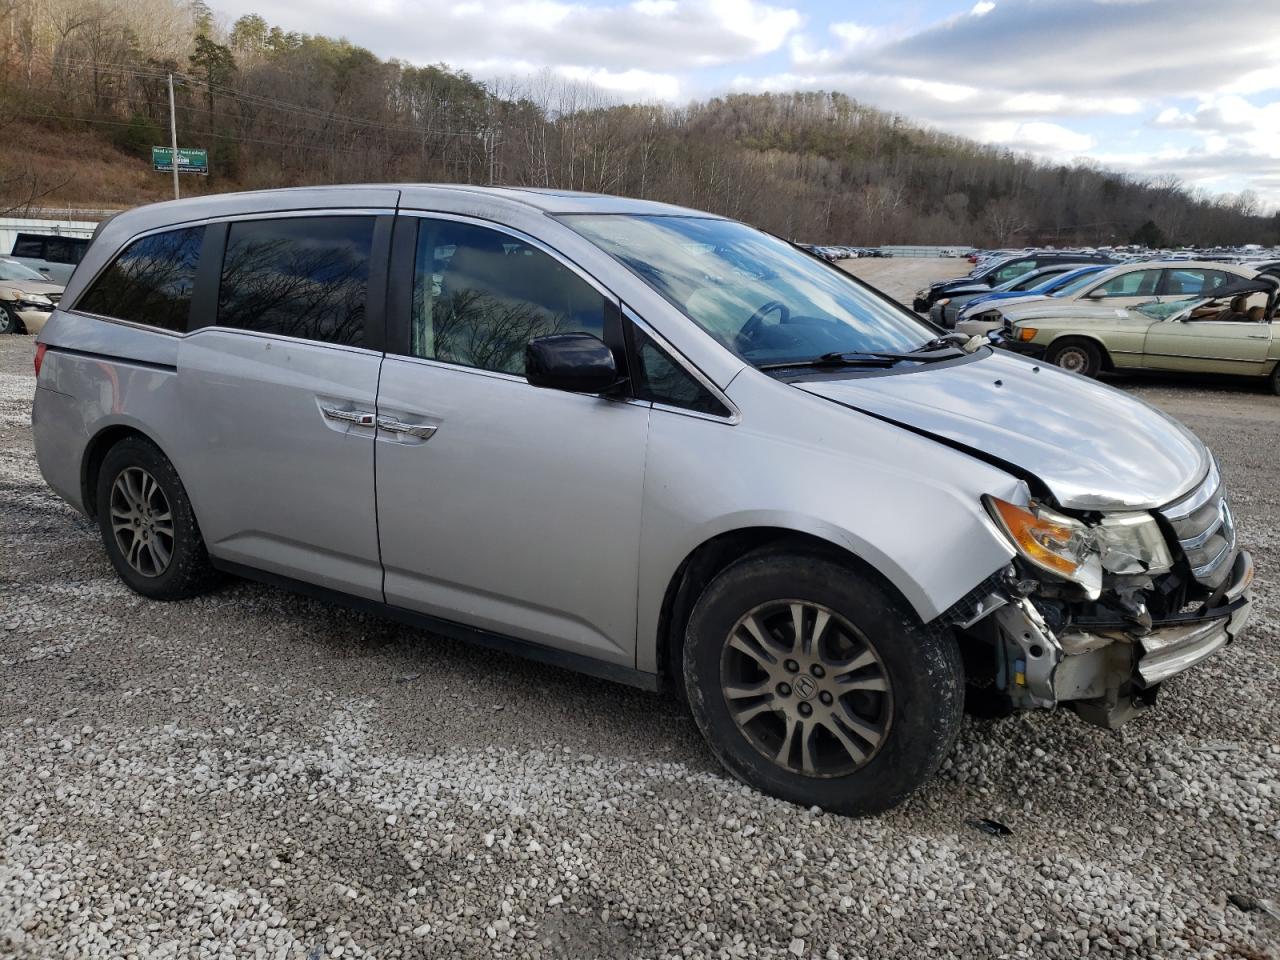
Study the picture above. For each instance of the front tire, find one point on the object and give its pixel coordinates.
(813, 684)
(1076, 356)
(147, 524)
(9, 322)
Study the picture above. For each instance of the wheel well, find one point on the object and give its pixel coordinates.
(93, 457)
(1078, 338)
(707, 561)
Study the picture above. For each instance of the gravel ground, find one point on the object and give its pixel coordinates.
(253, 774)
(901, 277)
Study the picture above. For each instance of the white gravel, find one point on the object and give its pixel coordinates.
(254, 774)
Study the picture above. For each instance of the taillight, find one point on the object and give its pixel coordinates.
(39, 357)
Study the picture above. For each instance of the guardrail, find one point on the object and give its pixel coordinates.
(942, 250)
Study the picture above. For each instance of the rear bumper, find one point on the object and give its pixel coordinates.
(60, 442)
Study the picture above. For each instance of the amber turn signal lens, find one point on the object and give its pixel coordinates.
(1027, 333)
(1042, 541)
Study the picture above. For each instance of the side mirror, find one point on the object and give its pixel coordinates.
(577, 362)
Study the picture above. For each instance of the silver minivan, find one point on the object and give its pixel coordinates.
(643, 442)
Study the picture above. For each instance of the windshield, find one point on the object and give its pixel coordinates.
(10, 270)
(757, 295)
(1158, 310)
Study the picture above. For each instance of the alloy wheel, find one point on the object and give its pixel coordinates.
(142, 521)
(1073, 359)
(806, 688)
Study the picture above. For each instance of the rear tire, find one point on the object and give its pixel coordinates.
(1275, 379)
(147, 524)
(1076, 356)
(853, 717)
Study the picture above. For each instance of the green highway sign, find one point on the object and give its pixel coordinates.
(190, 160)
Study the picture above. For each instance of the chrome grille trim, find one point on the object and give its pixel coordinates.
(1197, 498)
(1204, 529)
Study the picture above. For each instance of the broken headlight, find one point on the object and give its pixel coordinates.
(1052, 541)
(1132, 543)
(1120, 543)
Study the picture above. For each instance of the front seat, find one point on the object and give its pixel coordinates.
(1257, 314)
(1235, 311)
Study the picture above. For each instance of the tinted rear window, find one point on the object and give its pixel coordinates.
(306, 277)
(150, 282)
(29, 247)
(63, 249)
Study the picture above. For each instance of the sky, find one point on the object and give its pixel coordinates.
(1152, 87)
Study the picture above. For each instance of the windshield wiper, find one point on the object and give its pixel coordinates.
(925, 353)
(932, 351)
(836, 360)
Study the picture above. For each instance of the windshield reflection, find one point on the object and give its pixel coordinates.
(755, 294)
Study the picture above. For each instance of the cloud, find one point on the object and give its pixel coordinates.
(627, 84)
(1037, 136)
(982, 7)
(1145, 48)
(661, 36)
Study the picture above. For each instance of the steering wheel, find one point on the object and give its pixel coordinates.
(755, 323)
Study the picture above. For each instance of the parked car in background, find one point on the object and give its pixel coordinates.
(53, 257)
(1122, 286)
(1059, 284)
(945, 311)
(26, 298)
(1233, 332)
(1269, 267)
(1001, 271)
(545, 422)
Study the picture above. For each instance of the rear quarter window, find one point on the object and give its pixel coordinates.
(150, 282)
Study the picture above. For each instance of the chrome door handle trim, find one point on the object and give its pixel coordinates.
(420, 430)
(358, 417)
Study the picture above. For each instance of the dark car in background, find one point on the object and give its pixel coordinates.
(1001, 271)
(947, 309)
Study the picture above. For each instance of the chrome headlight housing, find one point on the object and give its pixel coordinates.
(1120, 543)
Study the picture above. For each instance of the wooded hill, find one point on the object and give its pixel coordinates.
(279, 108)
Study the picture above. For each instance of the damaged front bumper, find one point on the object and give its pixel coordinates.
(1107, 671)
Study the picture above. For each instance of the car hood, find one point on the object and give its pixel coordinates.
(1003, 301)
(957, 289)
(959, 283)
(1092, 446)
(32, 286)
(1055, 307)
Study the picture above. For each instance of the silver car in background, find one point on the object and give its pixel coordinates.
(644, 442)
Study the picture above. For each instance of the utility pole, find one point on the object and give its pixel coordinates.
(173, 139)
